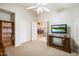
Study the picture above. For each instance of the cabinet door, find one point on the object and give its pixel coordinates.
(7, 42)
(50, 39)
(67, 43)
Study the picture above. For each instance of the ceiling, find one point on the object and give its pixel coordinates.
(52, 6)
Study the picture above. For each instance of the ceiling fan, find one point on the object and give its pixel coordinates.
(39, 7)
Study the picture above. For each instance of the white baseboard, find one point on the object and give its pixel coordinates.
(16, 45)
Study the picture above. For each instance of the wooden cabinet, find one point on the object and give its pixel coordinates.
(2, 49)
(7, 33)
(65, 41)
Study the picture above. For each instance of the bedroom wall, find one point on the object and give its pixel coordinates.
(22, 22)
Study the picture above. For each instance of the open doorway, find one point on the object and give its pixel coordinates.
(41, 30)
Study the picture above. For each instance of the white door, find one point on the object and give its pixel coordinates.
(34, 31)
(76, 32)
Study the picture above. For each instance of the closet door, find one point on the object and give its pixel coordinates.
(34, 30)
(76, 31)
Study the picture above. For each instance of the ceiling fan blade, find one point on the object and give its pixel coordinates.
(32, 7)
(46, 9)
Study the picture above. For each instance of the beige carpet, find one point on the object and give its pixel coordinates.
(36, 48)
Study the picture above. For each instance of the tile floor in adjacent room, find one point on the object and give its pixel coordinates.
(36, 48)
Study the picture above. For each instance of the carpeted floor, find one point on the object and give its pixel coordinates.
(36, 48)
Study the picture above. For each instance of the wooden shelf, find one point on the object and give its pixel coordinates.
(6, 36)
(7, 32)
(8, 27)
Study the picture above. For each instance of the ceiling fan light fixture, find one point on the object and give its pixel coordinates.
(39, 7)
(39, 10)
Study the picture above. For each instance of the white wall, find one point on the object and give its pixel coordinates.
(75, 23)
(22, 22)
(4, 16)
(63, 17)
(69, 17)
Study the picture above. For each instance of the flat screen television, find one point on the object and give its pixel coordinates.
(60, 28)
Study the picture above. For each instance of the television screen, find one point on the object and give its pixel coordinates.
(61, 28)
